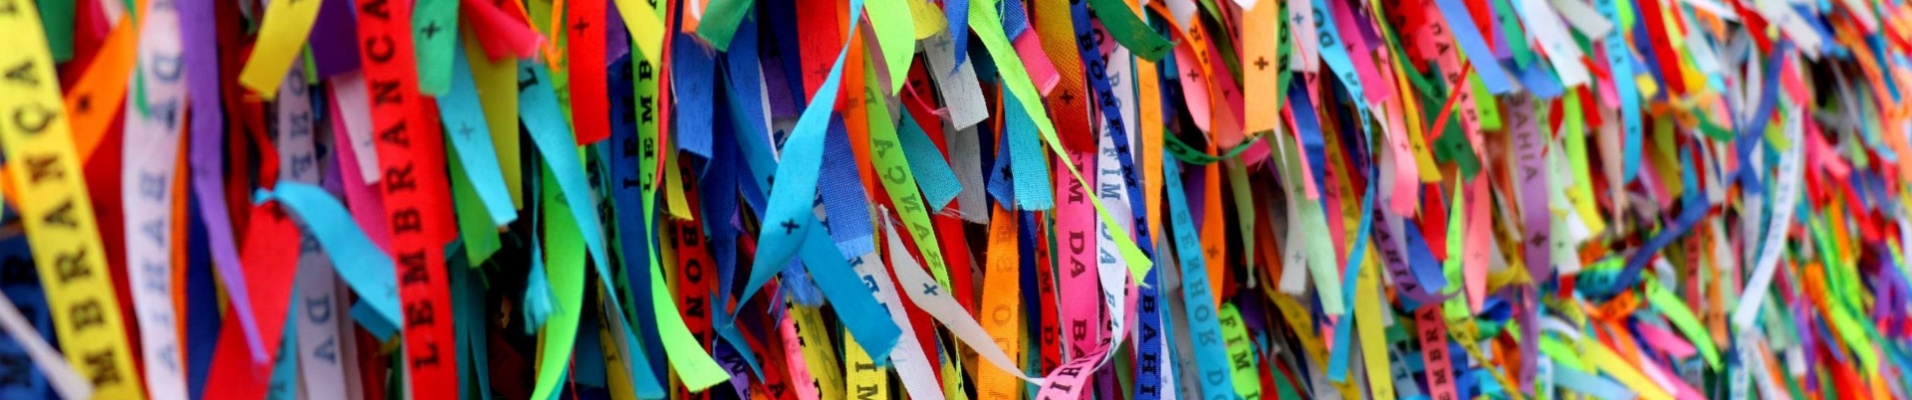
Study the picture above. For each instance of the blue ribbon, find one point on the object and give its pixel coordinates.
(854, 303)
(791, 199)
(1311, 142)
(1472, 45)
(21, 285)
(633, 227)
(202, 305)
(1029, 173)
(693, 70)
(1211, 354)
(999, 186)
(933, 175)
(1095, 66)
(362, 265)
(538, 107)
(465, 124)
(844, 198)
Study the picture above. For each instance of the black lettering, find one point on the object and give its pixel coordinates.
(530, 78)
(71, 266)
(399, 177)
(61, 216)
(407, 221)
(375, 8)
(1071, 370)
(23, 73)
(33, 118)
(379, 48)
(694, 307)
(691, 237)
(302, 163)
(396, 134)
(412, 268)
(644, 106)
(99, 368)
(419, 314)
(386, 92)
(15, 371)
(425, 356)
(87, 314)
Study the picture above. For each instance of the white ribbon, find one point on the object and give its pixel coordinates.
(152, 153)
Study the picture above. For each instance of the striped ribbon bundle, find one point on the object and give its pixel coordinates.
(1002, 199)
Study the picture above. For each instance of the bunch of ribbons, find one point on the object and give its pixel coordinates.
(1001, 199)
